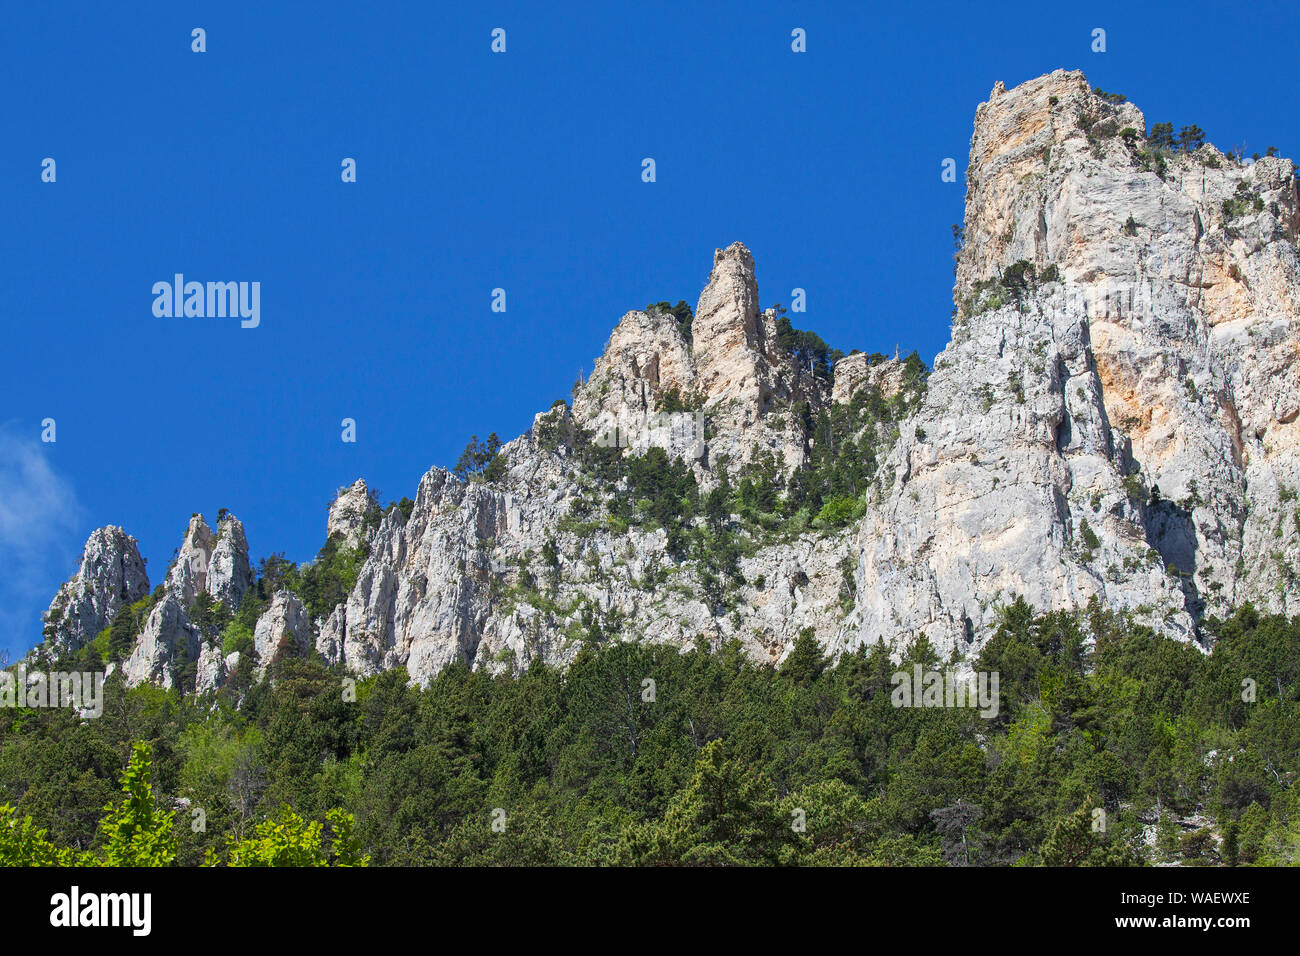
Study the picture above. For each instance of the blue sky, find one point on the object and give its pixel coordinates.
(476, 171)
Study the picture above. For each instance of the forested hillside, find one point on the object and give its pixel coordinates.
(640, 754)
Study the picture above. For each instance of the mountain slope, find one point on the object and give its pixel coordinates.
(1113, 420)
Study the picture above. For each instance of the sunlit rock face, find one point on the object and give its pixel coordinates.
(1115, 420)
(110, 575)
(1151, 390)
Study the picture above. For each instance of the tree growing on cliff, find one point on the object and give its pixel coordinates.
(481, 460)
(1162, 136)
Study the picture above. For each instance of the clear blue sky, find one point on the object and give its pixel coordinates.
(476, 171)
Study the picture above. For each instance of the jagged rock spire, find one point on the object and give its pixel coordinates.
(350, 512)
(111, 574)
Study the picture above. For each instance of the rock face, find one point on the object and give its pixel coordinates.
(229, 573)
(189, 575)
(750, 385)
(212, 669)
(463, 578)
(167, 641)
(350, 512)
(732, 372)
(647, 358)
(1150, 392)
(111, 575)
(1116, 418)
(854, 371)
(284, 626)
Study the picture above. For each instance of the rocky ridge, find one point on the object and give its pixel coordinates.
(1114, 420)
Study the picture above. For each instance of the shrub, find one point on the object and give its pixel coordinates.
(1243, 202)
(1089, 537)
(682, 312)
(837, 512)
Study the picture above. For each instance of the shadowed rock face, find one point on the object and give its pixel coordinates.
(1120, 425)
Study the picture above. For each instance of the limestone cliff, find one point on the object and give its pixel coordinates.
(1114, 420)
(1127, 322)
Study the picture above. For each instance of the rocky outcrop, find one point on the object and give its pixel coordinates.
(352, 511)
(1008, 482)
(465, 578)
(170, 643)
(212, 670)
(857, 370)
(229, 573)
(189, 574)
(646, 360)
(1132, 434)
(732, 373)
(1115, 420)
(750, 385)
(730, 335)
(283, 628)
(110, 576)
(166, 644)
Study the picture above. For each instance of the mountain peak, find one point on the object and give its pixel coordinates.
(1115, 419)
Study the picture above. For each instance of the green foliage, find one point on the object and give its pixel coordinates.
(404, 507)
(682, 312)
(838, 512)
(1243, 202)
(208, 614)
(22, 843)
(1022, 277)
(657, 490)
(1114, 98)
(327, 581)
(127, 624)
(1162, 136)
(673, 401)
(725, 816)
(555, 428)
(290, 840)
(481, 460)
(1089, 539)
(848, 441)
(136, 832)
(728, 761)
(237, 636)
(1191, 138)
(1073, 841)
(807, 349)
